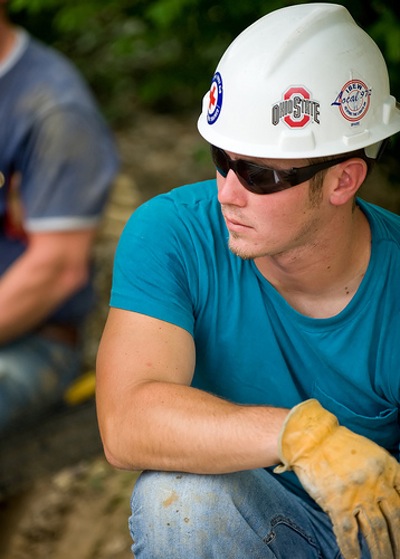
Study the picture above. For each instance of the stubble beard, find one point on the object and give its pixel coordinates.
(251, 253)
(238, 251)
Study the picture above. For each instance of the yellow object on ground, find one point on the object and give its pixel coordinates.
(81, 389)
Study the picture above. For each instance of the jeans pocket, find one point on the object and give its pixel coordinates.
(286, 539)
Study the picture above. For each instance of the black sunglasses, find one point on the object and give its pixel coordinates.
(264, 180)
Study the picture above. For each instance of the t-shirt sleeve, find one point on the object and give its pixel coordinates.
(151, 270)
(67, 165)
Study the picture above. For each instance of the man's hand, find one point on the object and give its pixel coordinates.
(355, 481)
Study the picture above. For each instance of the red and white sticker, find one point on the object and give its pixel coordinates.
(296, 109)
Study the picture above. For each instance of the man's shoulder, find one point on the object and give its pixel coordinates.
(45, 58)
(189, 209)
(45, 74)
(381, 219)
(202, 192)
(189, 197)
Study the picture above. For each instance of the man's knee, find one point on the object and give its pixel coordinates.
(180, 512)
(180, 496)
(233, 515)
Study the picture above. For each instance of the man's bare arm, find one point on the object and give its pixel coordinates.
(150, 417)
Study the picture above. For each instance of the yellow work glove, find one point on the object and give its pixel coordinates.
(355, 481)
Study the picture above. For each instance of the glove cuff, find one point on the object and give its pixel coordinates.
(306, 425)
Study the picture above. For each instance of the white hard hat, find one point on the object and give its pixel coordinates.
(301, 82)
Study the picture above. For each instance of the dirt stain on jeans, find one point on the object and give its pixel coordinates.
(170, 500)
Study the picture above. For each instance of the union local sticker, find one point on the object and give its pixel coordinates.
(296, 108)
(215, 98)
(353, 100)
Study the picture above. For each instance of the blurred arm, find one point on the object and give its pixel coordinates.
(53, 267)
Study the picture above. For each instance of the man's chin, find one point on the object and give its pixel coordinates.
(239, 249)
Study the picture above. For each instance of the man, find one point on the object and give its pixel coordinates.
(219, 370)
(57, 162)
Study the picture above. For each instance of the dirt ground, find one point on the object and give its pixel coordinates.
(82, 512)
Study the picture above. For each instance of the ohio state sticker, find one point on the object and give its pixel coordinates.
(296, 109)
(215, 99)
(353, 100)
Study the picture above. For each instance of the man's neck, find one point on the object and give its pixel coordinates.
(320, 280)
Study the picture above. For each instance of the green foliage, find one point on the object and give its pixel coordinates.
(386, 32)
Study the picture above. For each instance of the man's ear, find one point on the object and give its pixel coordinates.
(349, 176)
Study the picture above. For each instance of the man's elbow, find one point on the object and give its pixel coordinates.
(115, 451)
(114, 460)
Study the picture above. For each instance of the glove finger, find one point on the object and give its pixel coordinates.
(346, 532)
(377, 534)
(391, 512)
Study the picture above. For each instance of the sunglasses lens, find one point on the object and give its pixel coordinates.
(256, 179)
(220, 160)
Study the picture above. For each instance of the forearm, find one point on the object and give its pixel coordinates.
(171, 427)
(29, 292)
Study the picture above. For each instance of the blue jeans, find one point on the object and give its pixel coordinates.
(244, 515)
(34, 373)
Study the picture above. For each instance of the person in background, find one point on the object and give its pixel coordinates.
(250, 360)
(57, 162)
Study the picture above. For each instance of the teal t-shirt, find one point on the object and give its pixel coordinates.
(173, 263)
